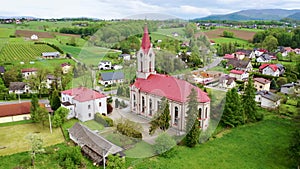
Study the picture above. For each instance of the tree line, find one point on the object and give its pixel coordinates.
(283, 36)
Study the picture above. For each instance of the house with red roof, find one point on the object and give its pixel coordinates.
(269, 69)
(66, 67)
(83, 103)
(11, 112)
(149, 88)
(262, 84)
(239, 74)
(28, 72)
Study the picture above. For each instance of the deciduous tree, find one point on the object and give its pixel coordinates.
(36, 146)
(115, 162)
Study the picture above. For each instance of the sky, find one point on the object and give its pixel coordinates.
(120, 9)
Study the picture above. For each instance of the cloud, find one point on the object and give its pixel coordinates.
(194, 10)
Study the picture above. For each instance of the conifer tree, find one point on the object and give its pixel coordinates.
(34, 108)
(161, 119)
(192, 124)
(55, 100)
(249, 104)
(232, 114)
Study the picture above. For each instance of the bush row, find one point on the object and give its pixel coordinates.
(106, 121)
(126, 130)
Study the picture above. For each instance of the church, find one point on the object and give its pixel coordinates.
(150, 87)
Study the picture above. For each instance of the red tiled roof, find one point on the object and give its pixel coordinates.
(240, 53)
(272, 66)
(239, 72)
(65, 64)
(228, 56)
(83, 94)
(16, 109)
(146, 44)
(29, 70)
(262, 80)
(169, 87)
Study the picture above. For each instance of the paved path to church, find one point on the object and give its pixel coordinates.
(127, 114)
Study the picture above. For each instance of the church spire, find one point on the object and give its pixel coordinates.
(146, 44)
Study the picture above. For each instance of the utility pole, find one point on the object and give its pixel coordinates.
(50, 123)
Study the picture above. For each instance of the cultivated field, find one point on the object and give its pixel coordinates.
(23, 51)
(241, 34)
(14, 138)
(27, 33)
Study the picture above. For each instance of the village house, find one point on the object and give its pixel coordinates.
(244, 65)
(239, 55)
(83, 103)
(286, 51)
(19, 88)
(297, 51)
(125, 56)
(51, 55)
(11, 112)
(239, 74)
(28, 72)
(149, 88)
(269, 69)
(264, 58)
(228, 56)
(267, 99)
(248, 53)
(66, 67)
(227, 82)
(262, 84)
(109, 78)
(50, 79)
(104, 65)
(259, 52)
(92, 144)
(290, 88)
(34, 37)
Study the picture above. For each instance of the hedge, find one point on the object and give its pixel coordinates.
(128, 131)
(51, 45)
(106, 121)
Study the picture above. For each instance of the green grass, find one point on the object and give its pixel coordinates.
(163, 33)
(39, 25)
(118, 139)
(93, 125)
(260, 145)
(140, 150)
(232, 40)
(5, 32)
(67, 125)
(15, 123)
(14, 138)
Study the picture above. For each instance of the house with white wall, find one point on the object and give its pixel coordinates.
(109, 78)
(83, 103)
(239, 74)
(28, 72)
(262, 84)
(267, 99)
(269, 69)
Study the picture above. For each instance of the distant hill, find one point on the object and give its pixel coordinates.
(295, 16)
(255, 14)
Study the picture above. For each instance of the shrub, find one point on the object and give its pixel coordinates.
(130, 129)
(163, 143)
(106, 121)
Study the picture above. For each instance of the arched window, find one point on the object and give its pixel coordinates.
(150, 66)
(206, 112)
(176, 115)
(134, 101)
(143, 104)
(200, 112)
(150, 107)
(141, 66)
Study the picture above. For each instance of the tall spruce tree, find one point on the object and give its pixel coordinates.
(249, 104)
(34, 108)
(192, 124)
(55, 100)
(161, 119)
(232, 114)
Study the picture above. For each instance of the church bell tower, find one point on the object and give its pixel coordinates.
(145, 57)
